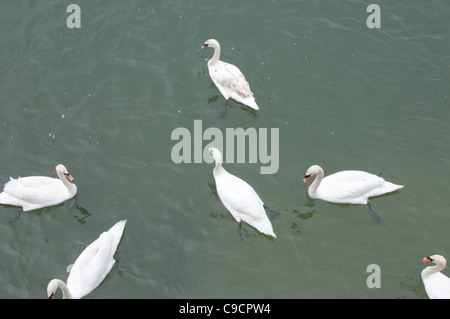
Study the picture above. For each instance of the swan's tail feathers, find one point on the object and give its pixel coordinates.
(117, 231)
(263, 229)
(396, 187)
(4, 198)
(374, 215)
(118, 227)
(391, 187)
(251, 102)
(271, 233)
(267, 229)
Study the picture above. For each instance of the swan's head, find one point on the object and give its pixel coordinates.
(51, 288)
(216, 154)
(210, 43)
(313, 170)
(62, 171)
(437, 259)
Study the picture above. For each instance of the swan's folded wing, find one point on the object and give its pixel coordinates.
(228, 77)
(238, 195)
(93, 264)
(31, 189)
(370, 185)
(82, 262)
(117, 230)
(35, 181)
(438, 286)
(350, 187)
(102, 261)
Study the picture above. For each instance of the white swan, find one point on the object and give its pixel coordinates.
(229, 79)
(35, 192)
(240, 198)
(91, 267)
(437, 285)
(349, 187)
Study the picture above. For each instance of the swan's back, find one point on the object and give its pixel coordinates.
(34, 192)
(231, 82)
(95, 262)
(353, 187)
(437, 285)
(243, 202)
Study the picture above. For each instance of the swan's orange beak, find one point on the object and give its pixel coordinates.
(204, 46)
(428, 259)
(69, 177)
(306, 178)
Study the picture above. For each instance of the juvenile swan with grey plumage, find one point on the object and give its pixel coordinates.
(228, 79)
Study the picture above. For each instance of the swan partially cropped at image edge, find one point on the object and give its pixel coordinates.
(437, 285)
(348, 187)
(240, 198)
(91, 267)
(228, 79)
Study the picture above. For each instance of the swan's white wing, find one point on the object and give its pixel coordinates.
(350, 187)
(230, 81)
(35, 181)
(33, 192)
(117, 231)
(95, 262)
(239, 197)
(243, 202)
(102, 262)
(92, 266)
(437, 286)
(26, 186)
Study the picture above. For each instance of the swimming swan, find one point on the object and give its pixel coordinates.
(91, 267)
(229, 79)
(349, 187)
(34, 192)
(240, 198)
(437, 285)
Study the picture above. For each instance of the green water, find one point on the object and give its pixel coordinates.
(105, 98)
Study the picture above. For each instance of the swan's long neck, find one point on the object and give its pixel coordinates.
(433, 269)
(70, 186)
(218, 169)
(65, 290)
(216, 56)
(312, 190)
